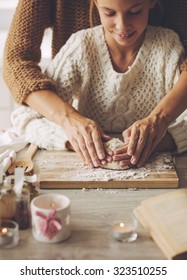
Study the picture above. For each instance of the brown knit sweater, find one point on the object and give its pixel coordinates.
(22, 51)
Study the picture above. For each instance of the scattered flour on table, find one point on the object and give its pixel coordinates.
(81, 172)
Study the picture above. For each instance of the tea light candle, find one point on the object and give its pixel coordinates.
(124, 230)
(6, 236)
(9, 234)
(50, 218)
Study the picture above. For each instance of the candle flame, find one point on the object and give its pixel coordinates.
(122, 225)
(4, 230)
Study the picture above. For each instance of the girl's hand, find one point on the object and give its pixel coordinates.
(108, 156)
(85, 137)
(121, 155)
(143, 136)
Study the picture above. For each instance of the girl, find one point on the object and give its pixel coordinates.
(118, 72)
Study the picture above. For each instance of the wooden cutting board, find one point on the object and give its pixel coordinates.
(64, 170)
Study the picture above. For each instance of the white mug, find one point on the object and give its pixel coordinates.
(50, 218)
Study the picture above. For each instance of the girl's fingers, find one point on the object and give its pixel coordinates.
(109, 152)
(119, 157)
(107, 159)
(125, 163)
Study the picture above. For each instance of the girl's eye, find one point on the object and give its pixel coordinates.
(109, 14)
(135, 12)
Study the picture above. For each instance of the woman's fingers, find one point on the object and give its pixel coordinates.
(91, 151)
(144, 135)
(98, 150)
(90, 148)
(138, 140)
(131, 136)
(85, 137)
(80, 148)
(140, 160)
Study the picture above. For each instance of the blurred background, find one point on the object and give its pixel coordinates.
(7, 104)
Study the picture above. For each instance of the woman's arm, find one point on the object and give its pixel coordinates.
(144, 135)
(83, 133)
(22, 51)
(36, 89)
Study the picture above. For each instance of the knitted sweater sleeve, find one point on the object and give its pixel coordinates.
(65, 70)
(22, 50)
(178, 132)
(37, 129)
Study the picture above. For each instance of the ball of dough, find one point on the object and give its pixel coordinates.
(113, 145)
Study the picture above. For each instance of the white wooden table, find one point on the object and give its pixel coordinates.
(92, 212)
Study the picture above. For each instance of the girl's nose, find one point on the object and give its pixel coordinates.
(122, 23)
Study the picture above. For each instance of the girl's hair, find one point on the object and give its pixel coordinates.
(92, 6)
(155, 18)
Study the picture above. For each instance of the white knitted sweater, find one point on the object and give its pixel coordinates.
(84, 71)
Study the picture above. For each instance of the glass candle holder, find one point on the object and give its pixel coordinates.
(9, 234)
(33, 188)
(22, 214)
(124, 229)
(7, 202)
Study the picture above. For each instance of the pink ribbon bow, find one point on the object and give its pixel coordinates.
(49, 225)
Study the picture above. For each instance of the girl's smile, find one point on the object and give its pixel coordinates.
(124, 38)
(124, 21)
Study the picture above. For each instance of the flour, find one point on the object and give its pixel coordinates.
(81, 172)
(70, 168)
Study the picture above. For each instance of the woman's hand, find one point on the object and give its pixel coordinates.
(142, 138)
(85, 137)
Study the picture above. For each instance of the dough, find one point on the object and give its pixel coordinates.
(113, 145)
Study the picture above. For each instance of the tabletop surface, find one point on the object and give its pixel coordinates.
(92, 213)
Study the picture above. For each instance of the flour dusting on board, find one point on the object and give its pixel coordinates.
(81, 172)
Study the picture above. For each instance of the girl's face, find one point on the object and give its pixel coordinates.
(124, 20)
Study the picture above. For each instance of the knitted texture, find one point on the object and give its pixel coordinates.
(83, 71)
(22, 52)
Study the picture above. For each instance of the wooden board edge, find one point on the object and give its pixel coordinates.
(167, 184)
